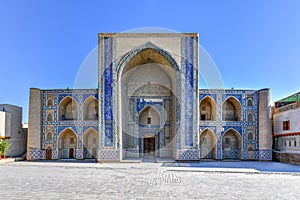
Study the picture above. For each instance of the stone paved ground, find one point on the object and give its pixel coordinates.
(41, 180)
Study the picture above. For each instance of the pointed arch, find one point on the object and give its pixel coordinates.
(90, 108)
(49, 117)
(50, 102)
(250, 136)
(68, 109)
(207, 109)
(123, 62)
(90, 143)
(249, 102)
(231, 110)
(149, 112)
(149, 135)
(231, 144)
(67, 143)
(147, 69)
(250, 117)
(49, 136)
(207, 144)
(149, 140)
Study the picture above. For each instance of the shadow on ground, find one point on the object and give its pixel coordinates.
(259, 166)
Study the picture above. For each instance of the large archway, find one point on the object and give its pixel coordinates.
(207, 144)
(90, 143)
(231, 110)
(128, 63)
(231, 144)
(68, 109)
(67, 144)
(149, 78)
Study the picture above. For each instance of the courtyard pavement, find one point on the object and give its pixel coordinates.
(196, 180)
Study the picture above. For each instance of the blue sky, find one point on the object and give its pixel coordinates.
(255, 44)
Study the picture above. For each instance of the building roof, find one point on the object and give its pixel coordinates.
(290, 99)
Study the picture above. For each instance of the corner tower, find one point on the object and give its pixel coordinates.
(264, 125)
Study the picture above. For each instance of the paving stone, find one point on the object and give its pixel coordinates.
(27, 180)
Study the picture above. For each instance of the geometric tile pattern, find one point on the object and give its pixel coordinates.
(185, 120)
(165, 153)
(43, 154)
(265, 154)
(65, 153)
(56, 126)
(109, 154)
(242, 127)
(132, 153)
(108, 93)
(187, 154)
(35, 154)
(233, 154)
(188, 62)
(54, 154)
(79, 154)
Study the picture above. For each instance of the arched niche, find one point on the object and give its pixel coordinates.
(67, 144)
(207, 109)
(49, 136)
(250, 117)
(90, 109)
(49, 117)
(68, 109)
(231, 110)
(231, 144)
(250, 102)
(149, 116)
(250, 136)
(207, 143)
(50, 102)
(147, 74)
(90, 143)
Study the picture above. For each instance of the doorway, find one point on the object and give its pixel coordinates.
(149, 147)
(48, 153)
(71, 153)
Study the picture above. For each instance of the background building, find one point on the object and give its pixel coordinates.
(11, 128)
(286, 122)
(148, 105)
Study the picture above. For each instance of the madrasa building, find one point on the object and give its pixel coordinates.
(148, 105)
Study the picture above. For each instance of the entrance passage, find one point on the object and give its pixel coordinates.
(48, 154)
(71, 153)
(149, 147)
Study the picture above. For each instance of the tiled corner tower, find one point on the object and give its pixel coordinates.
(148, 105)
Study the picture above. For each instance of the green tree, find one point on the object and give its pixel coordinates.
(4, 146)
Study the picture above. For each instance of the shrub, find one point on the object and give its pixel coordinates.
(4, 146)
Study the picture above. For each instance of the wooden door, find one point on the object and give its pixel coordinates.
(71, 153)
(48, 154)
(149, 145)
